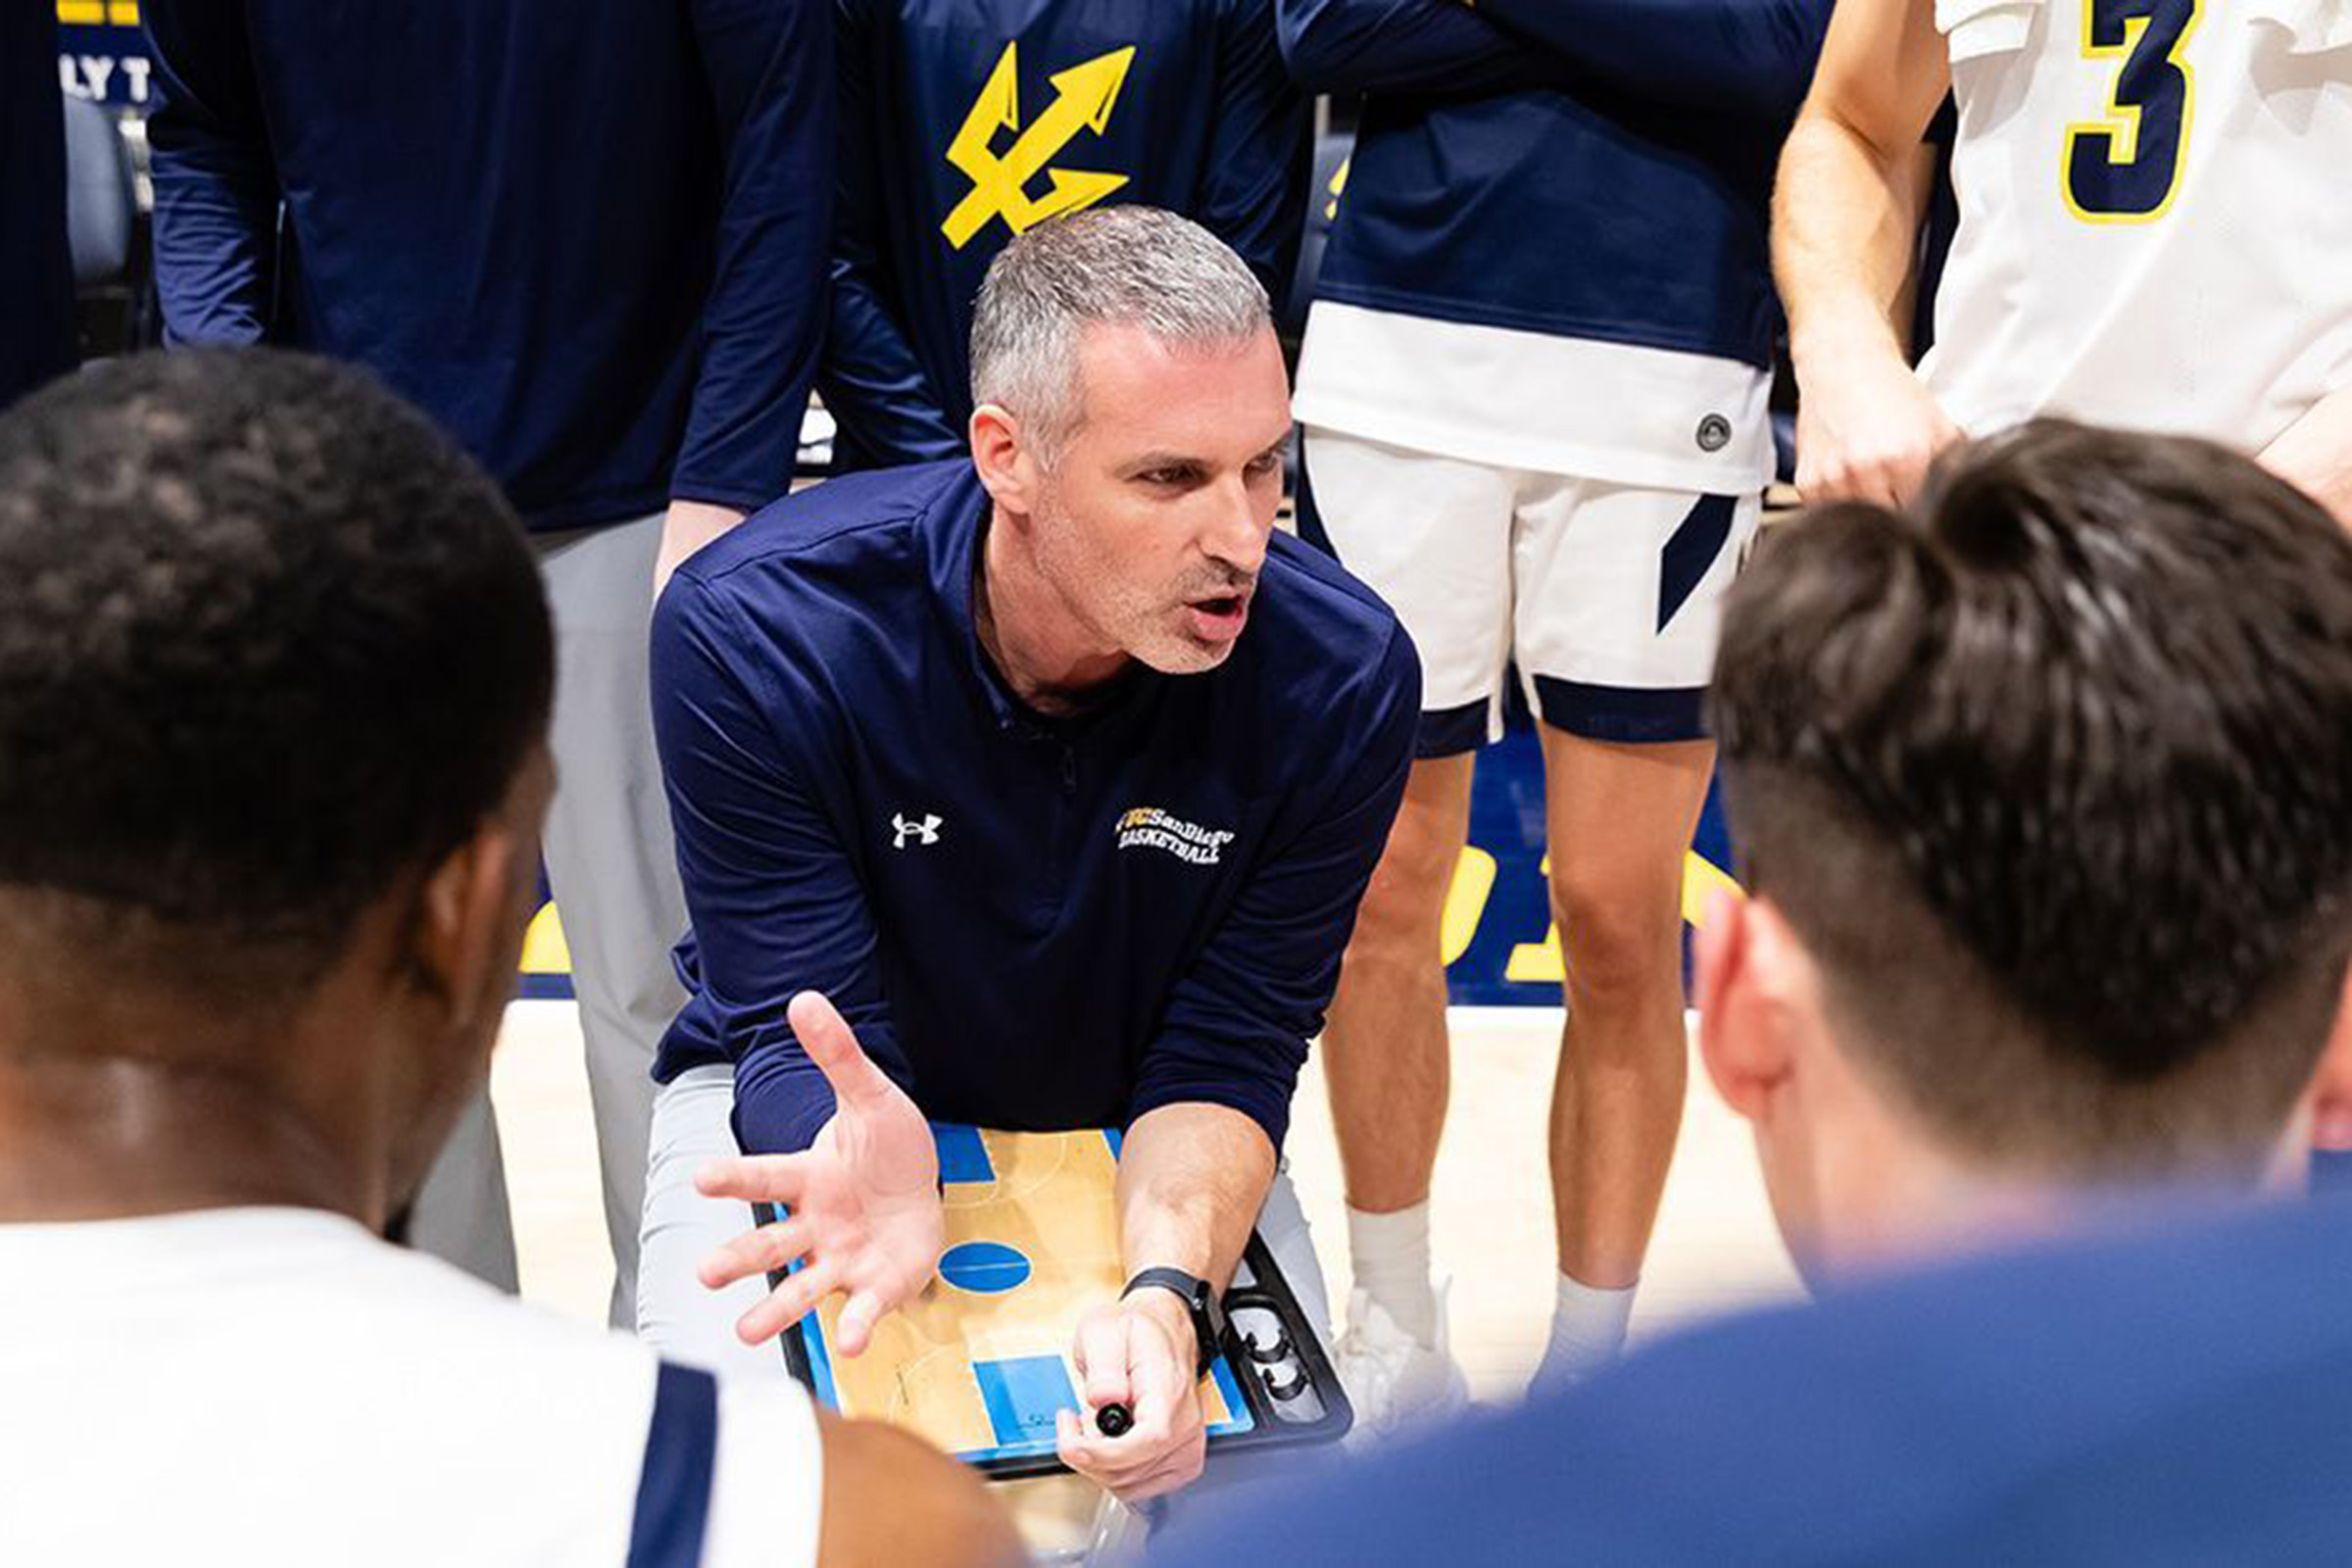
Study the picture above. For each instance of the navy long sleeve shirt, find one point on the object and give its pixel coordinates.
(36, 272)
(1030, 924)
(1639, 134)
(588, 236)
(964, 122)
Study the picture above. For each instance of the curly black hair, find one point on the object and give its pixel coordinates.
(267, 642)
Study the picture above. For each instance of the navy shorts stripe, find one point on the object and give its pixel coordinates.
(1692, 551)
(681, 1452)
(1623, 713)
(1452, 731)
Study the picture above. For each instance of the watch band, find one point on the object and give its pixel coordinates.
(1199, 1302)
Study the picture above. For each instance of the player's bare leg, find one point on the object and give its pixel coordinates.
(1385, 1060)
(1618, 821)
(1384, 1046)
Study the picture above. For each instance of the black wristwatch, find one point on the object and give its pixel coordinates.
(1207, 1313)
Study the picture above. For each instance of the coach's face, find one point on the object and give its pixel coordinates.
(1152, 523)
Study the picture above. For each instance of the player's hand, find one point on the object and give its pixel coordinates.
(864, 1218)
(1866, 430)
(2314, 455)
(687, 527)
(1138, 1352)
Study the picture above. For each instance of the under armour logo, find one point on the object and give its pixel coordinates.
(925, 831)
(1084, 96)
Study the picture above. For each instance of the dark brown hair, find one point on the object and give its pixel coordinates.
(2052, 773)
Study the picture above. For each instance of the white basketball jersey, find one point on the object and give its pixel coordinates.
(255, 1386)
(2154, 225)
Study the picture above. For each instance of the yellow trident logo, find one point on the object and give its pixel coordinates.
(1083, 99)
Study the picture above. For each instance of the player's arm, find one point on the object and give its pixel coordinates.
(1353, 46)
(890, 1497)
(792, 1483)
(873, 381)
(1751, 57)
(2315, 454)
(216, 181)
(1252, 191)
(768, 66)
(873, 384)
(1212, 1099)
(1847, 215)
(781, 925)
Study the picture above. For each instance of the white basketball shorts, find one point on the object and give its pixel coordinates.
(1607, 596)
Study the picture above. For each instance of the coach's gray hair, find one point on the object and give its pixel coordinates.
(1136, 266)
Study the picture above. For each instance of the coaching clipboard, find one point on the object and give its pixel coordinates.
(980, 1362)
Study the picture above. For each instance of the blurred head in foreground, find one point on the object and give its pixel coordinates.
(2042, 790)
(275, 673)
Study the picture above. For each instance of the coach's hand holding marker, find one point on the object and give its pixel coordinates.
(865, 1214)
(1139, 1353)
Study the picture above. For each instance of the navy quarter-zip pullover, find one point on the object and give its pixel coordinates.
(1030, 924)
(589, 237)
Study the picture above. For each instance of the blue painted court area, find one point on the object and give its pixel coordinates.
(1023, 1396)
(984, 1268)
(962, 1153)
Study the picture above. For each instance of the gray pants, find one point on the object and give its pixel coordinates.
(615, 879)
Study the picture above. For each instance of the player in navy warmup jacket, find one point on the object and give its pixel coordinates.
(1535, 389)
(964, 122)
(1582, 167)
(583, 239)
(36, 275)
(590, 240)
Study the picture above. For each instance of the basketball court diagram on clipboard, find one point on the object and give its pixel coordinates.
(979, 1364)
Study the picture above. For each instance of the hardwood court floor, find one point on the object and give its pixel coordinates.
(1716, 1248)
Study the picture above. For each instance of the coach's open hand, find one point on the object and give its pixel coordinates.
(863, 1197)
(1139, 1352)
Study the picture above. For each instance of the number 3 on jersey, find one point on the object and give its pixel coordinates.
(2126, 169)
